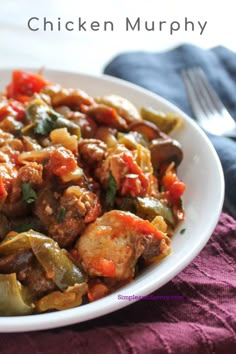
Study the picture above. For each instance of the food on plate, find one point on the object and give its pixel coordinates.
(89, 194)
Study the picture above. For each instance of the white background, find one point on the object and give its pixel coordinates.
(89, 51)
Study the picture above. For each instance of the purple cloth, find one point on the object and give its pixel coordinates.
(204, 322)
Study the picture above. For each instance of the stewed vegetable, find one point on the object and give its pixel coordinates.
(89, 194)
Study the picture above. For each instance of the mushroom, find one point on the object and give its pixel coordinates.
(147, 129)
(72, 98)
(106, 115)
(123, 107)
(165, 151)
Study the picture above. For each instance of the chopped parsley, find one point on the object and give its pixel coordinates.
(182, 231)
(162, 189)
(29, 195)
(46, 125)
(61, 215)
(44, 119)
(111, 190)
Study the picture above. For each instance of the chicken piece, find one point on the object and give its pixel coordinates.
(129, 177)
(31, 173)
(65, 216)
(8, 174)
(114, 163)
(12, 146)
(61, 161)
(4, 158)
(9, 146)
(10, 125)
(30, 144)
(14, 205)
(5, 137)
(92, 150)
(111, 246)
(15, 209)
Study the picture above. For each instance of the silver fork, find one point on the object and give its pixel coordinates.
(207, 107)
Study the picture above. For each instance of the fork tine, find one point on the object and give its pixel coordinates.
(202, 94)
(193, 97)
(216, 104)
(216, 101)
(207, 106)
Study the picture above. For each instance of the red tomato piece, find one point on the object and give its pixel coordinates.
(177, 190)
(168, 180)
(61, 162)
(18, 108)
(22, 98)
(131, 186)
(3, 192)
(173, 186)
(25, 84)
(106, 267)
(134, 186)
(131, 221)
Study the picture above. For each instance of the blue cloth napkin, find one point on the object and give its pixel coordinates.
(161, 73)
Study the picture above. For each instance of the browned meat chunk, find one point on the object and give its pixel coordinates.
(30, 173)
(14, 263)
(35, 278)
(66, 215)
(4, 226)
(111, 246)
(92, 150)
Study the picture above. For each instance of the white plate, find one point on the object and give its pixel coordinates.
(200, 170)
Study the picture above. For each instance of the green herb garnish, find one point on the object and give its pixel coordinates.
(29, 195)
(61, 215)
(43, 119)
(182, 231)
(45, 126)
(111, 190)
(162, 189)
